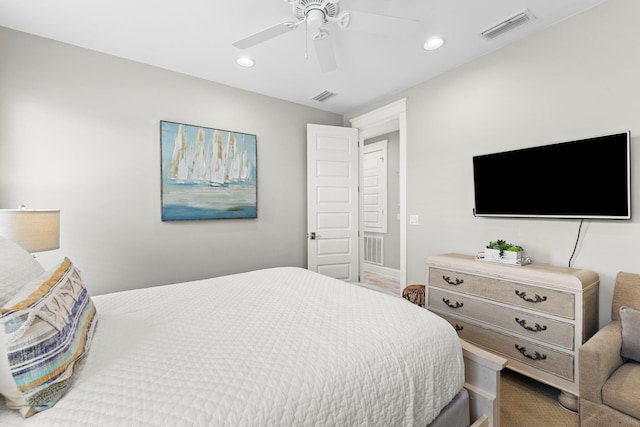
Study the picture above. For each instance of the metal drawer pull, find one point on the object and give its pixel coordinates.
(451, 282)
(536, 355)
(538, 298)
(456, 305)
(537, 327)
(458, 327)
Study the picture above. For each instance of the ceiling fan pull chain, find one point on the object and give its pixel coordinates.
(306, 40)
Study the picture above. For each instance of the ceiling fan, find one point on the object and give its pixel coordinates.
(318, 15)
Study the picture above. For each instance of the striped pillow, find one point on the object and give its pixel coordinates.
(44, 330)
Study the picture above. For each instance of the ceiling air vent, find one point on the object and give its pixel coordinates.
(508, 24)
(323, 96)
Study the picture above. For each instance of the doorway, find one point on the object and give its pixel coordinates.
(380, 195)
(386, 123)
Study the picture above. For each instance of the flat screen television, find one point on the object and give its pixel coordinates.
(587, 178)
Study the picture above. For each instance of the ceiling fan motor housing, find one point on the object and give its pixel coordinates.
(311, 10)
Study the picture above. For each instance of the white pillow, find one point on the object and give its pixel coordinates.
(17, 268)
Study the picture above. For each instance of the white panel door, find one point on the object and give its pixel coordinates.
(332, 201)
(374, 189)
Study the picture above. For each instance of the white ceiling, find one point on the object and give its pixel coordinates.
(195, 37)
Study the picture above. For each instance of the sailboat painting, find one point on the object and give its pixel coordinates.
(207, 173)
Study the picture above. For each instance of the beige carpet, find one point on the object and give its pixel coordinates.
(528, 403)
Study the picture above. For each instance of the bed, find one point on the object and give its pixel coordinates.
(279, 346)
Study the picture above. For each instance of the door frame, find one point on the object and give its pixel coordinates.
(390, 118)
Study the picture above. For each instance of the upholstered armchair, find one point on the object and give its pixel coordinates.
(610, 362)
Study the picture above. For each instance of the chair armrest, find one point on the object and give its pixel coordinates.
(599, 357)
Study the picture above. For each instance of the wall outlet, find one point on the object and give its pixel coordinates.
(414, 219)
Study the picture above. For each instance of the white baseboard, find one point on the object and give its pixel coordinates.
(378, 269)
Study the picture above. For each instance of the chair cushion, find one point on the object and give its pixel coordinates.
(621, 391)
(625, 293)
(630, 320)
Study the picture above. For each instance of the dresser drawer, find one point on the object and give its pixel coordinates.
(531, 297)
(514, 348)
(517, 321)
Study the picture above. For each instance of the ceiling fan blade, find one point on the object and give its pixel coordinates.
(383, 25)
(324, 51)
(266, 34)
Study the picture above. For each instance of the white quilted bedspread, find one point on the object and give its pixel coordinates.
(275, 347)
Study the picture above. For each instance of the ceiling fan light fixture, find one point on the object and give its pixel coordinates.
(433, 43)
(315, 19)
(245, 61)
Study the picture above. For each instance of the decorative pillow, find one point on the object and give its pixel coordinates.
(630, 318)
(44, 331)
(17, 268)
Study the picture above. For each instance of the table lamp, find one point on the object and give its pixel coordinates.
(36, 230)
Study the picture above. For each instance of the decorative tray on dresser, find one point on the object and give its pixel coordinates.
(536, 316)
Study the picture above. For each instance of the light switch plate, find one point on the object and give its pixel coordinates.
(414, 219)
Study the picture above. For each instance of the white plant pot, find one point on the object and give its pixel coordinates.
(512, 255)
(492, 255)
(508, 257)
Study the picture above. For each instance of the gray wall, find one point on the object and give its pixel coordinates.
(577, 79)
(79, 131)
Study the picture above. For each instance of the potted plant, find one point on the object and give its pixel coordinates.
(501, 251)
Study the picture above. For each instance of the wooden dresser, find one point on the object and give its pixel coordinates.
(536, 315)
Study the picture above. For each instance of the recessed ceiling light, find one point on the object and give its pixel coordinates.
(245, 61)
(433, 43)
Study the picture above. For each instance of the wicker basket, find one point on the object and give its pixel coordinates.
(414, 294)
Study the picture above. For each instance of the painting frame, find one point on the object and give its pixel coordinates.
(207, 173)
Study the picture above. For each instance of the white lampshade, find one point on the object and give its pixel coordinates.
(36, 230)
